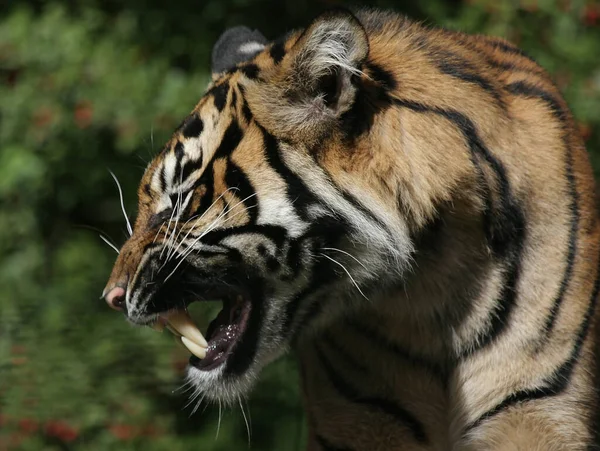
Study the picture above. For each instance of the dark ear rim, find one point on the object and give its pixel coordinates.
(236, 45)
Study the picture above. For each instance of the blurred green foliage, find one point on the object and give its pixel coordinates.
(91, 85)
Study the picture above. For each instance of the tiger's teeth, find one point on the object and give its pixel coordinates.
(183, 325)
(198, 351)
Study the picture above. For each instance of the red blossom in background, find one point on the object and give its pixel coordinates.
(123, 432)
(42, 117)
(83, 114)
(591, 15)
(28, 426)
(585, 130)
(61, 430)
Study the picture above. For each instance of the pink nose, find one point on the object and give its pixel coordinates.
(115, 298)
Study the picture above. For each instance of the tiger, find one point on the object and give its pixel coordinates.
(409, 210)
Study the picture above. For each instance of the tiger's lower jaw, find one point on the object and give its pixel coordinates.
(225, 367)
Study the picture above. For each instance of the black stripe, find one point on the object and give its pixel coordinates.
(324, 233)
(297, 192)
(523, 89)
(250, 70)
(382, 76)
(162, 179)
(231, 139)
(235, 178)
(320, 276)
(461, 69)
(191, 166)
(507, 48)
(179, 154)
(327, 446)
(277, 51)
(219, 94)
(192, 126)
(351, 198)
(275, 233)
(561, 377)
(415, 427)
(207, 179)
(246, 111)
(493, 62)
(374, 337)
(456, 66)
(504, 223)
(329, 340)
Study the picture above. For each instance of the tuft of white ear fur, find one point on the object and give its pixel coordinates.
(334, 41)
(251, 48)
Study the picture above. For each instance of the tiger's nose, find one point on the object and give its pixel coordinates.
(115, 298)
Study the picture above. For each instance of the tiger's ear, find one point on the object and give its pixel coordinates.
(236, 45)
(306, 94)
(328, 59)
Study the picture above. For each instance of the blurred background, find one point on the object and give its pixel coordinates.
(92, 85)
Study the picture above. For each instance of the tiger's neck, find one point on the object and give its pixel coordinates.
(422, 364)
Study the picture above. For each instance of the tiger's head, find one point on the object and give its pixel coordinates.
(274, 196)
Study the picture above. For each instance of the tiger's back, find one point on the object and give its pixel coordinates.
(425, 235)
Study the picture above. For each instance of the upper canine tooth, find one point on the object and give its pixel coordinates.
(183, 324)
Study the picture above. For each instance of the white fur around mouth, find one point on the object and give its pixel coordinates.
(180, 324)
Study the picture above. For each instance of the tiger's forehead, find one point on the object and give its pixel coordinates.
(219, 118)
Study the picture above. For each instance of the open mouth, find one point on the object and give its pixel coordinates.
(222, 336)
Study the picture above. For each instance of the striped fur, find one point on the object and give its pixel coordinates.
(412, 211)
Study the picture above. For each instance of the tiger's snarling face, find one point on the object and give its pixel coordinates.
(265, 200)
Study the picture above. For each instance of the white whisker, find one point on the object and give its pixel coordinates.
(173, 207)
(109, 243)
(210, 228)
(346, 271)
(198, 404)
(245, 420)
(219, 422)
(129, 229)
(195, 224)
(346, 253)
(224, 212)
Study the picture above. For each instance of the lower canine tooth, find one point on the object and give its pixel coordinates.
(198, 351)
(183, 324)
